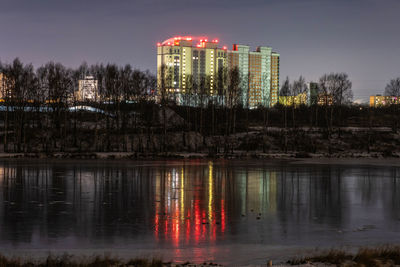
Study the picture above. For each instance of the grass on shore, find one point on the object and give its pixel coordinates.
(70, 261)
(381, 256)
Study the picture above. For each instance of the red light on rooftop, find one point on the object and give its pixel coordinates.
(158, 44)
(224, 47)
(215, 41)
(205, 40)
(189, 39)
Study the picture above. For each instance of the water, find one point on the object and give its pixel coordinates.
(230, 212)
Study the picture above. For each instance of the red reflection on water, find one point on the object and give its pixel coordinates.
(187, 224)
(166, 228)
(222, 216)
(213, 228)
(175, 227)
(156, 224)
(197, 220)
(186, 213)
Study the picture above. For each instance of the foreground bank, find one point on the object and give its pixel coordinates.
(256, 143)
(365, 256)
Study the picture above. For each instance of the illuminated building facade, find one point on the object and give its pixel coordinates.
(310, 97)
(181, 63)
(300, 99)
(188, 65)
(275, 61)
(87, 89)
(312, 93)
(259, 71)
(325, 100)
(381, 101)
(6, 87)
(2, 85)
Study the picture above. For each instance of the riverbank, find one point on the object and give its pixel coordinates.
(365, 256)
(320, 157)
(375, 256)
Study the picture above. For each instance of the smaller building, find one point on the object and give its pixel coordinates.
(2, 86)
(381, 101)
(300, 99)
(87, 89)
(312, 93)
(307, 99)
(325, 100)
(6, 87)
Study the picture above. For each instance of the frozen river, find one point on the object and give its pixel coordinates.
(229, 212)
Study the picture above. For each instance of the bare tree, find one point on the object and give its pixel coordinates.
(297, 90)
(393, 88)
(285, 89)
(19, 88)
(234, 95)
(204, 98)
(285, 93)
(337, 86)
(336, 89)
(164, 84)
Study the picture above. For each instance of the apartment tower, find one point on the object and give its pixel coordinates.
(183, 58)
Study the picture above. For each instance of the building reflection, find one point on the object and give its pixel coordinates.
(183, 203)
(189, 204)
(198, 203)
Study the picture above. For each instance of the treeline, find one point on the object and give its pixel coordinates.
(36, 104)
(231, 91)
(40, 111)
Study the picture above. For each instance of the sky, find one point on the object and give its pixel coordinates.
(314, 37)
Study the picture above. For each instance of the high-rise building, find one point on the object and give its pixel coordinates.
(259, 71)
(275, 61)
(180, 62)
(187, 63)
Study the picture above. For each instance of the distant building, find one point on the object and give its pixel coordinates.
(184, 60)
(381, 101)
(6, 87)
(185, 64)
(260, 74)
(325, 99)
(87, 89)
(310, 97)
(275, 63)
(2, 85)
(312, 93)
(300, 99)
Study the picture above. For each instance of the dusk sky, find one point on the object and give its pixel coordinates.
(360, 37)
